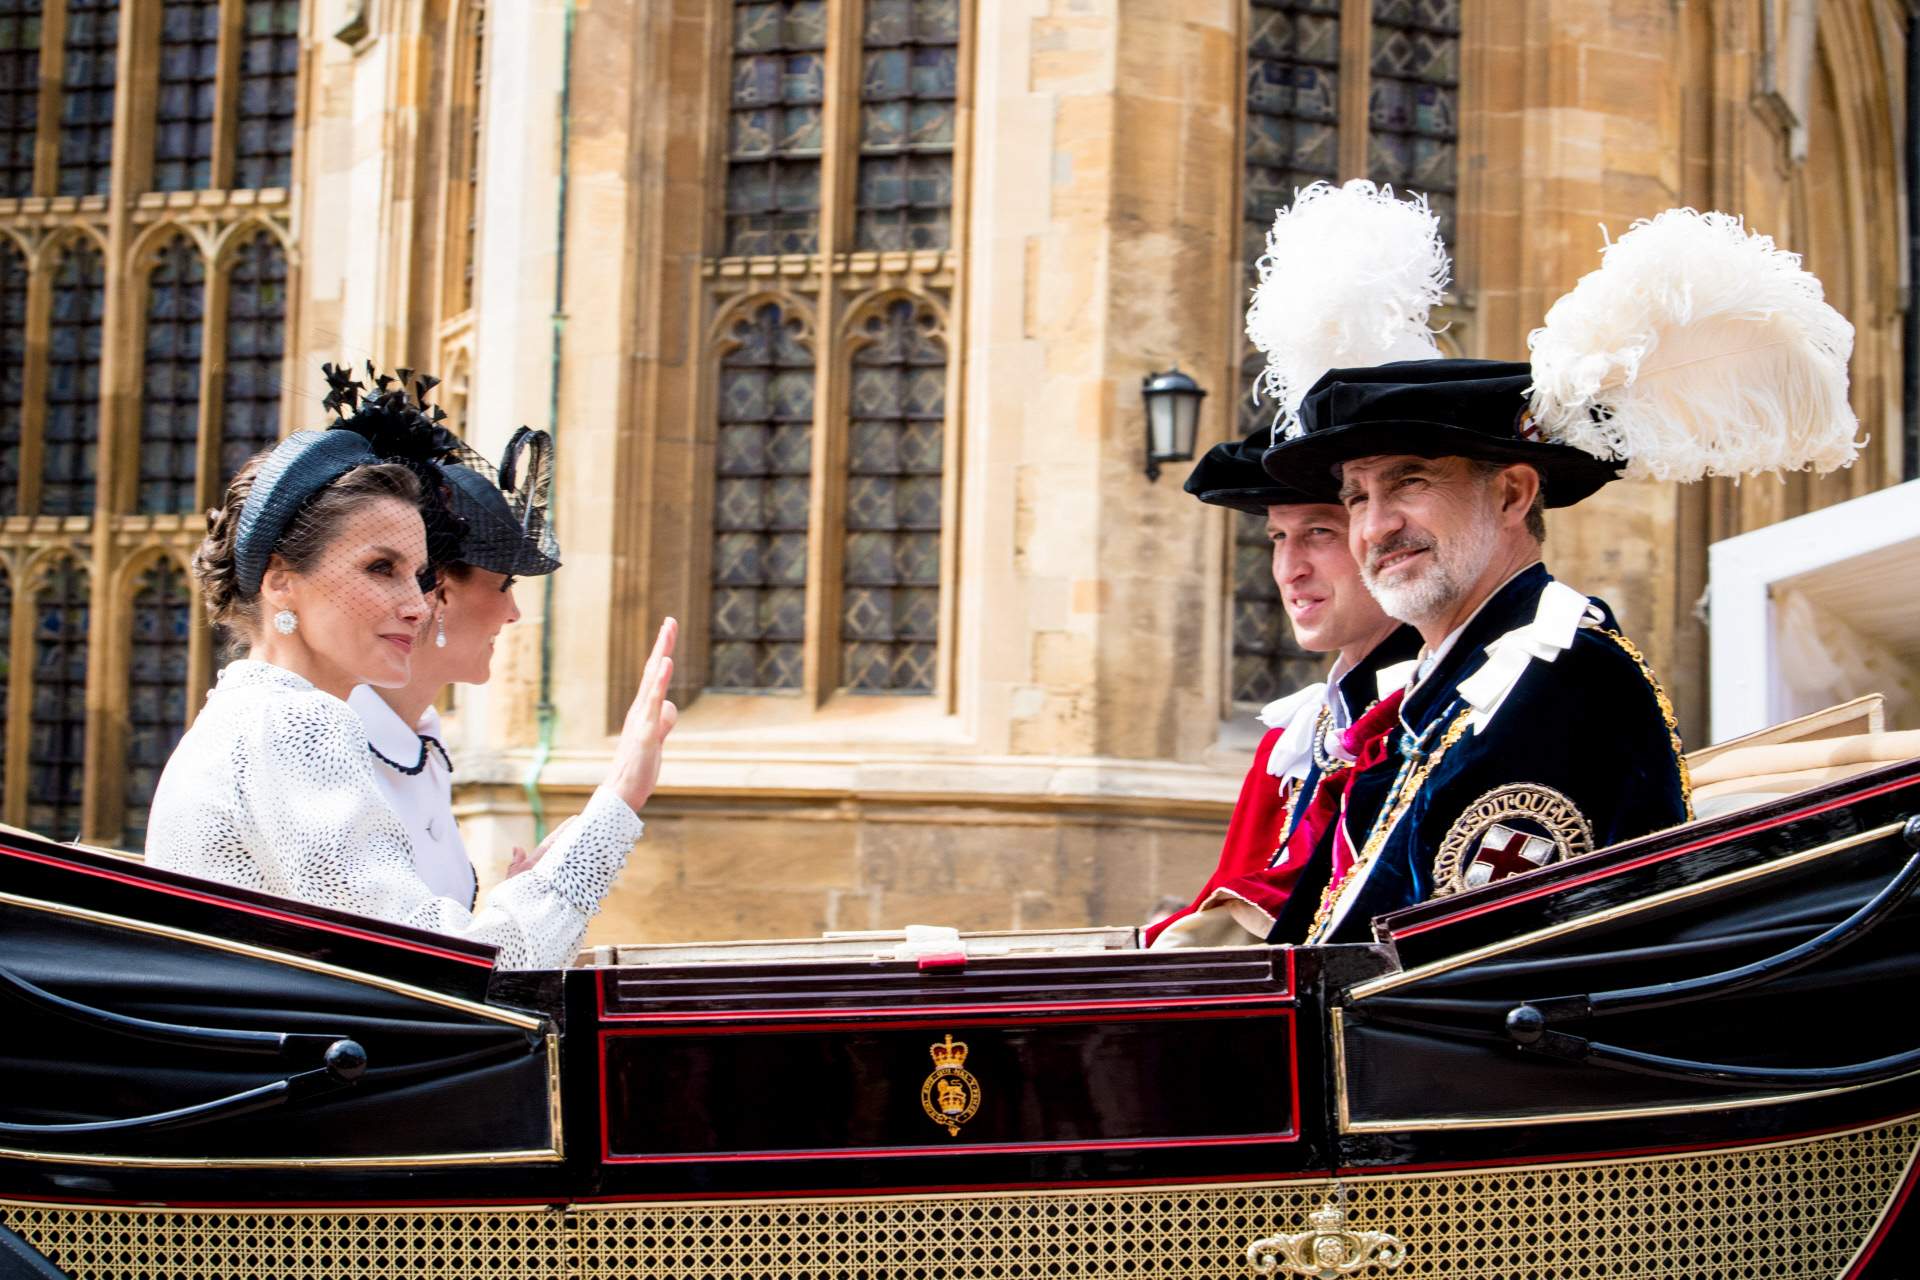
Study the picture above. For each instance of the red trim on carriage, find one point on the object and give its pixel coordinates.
(484, 960)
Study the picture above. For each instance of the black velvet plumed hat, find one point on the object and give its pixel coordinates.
(1430, 409)
(1231, 475)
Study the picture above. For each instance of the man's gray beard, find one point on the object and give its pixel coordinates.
(1450, 573)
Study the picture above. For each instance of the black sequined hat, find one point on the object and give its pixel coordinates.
(1230, 475)
(1430, 409)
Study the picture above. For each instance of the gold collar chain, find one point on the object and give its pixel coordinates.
(1399, 800)
(1666, 714)
(1407, 786)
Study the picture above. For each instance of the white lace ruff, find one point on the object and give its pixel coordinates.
(273, 789)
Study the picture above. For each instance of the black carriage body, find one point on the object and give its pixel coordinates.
(1073, 1112)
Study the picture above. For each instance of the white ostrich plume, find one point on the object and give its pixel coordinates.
(1697, 349)
(1348, 278)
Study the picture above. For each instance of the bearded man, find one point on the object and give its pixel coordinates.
(1280, 847)
(1531, 730)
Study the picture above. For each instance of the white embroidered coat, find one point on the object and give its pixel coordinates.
(273, 789)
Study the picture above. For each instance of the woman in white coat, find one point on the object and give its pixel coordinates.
(504, 536)
(313, 566)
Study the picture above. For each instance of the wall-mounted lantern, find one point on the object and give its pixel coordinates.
(1173, 417)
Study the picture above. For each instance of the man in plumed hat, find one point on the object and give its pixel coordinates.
(1278, 851)
(1531, 729)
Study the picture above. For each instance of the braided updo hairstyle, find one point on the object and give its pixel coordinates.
(299, 548)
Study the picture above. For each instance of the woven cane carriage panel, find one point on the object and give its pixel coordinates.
(1760, 1213)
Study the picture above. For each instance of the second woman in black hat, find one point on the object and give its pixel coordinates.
(504, 537)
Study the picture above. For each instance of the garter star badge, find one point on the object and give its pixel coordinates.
(950, 1095)
(1507, 831)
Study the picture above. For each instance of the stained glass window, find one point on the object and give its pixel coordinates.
(1414, 99)
(1293, 109)
(170, 383)
(890, 613)
(256, 318)
(13, 363)
(72, 432)
(774, 128)
(59, 737)
(269, 68)
(183, 111)
(763, 463)
(86, 96)
(910, 57)
(156, 688)
(19, 93)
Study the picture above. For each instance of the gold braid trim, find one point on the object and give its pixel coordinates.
(1666, 714)
(1286, 823)
(1399, 800)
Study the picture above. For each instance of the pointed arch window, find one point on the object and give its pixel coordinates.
(170, 379)
(156, 687)
(890, 603)
(189, 93)
(255, 339)
(763, 460)
(830, 543)
(86, 97)
(13, 371)
(71, 435)
(57, 753)
(19, 94)
(110, 438)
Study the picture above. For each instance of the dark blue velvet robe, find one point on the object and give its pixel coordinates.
(1586, 724)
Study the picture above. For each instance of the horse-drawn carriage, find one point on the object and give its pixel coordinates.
(1689, 1056)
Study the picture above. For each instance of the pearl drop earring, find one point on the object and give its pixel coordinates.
(440, 633)
(285, 622)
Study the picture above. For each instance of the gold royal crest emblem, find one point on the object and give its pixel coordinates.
(950, 1095)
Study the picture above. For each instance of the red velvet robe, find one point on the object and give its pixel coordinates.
(1252, 866)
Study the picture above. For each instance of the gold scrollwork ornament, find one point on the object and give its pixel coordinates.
(1481, 846)
(950, 1096)
(1328, 1250)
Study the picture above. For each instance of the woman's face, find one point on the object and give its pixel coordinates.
(359, 604)
(473, 609)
